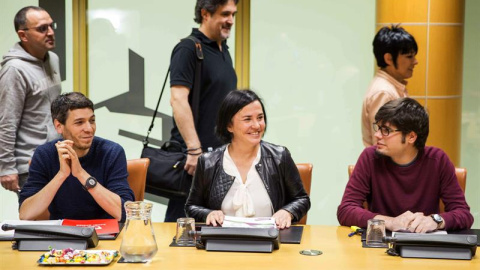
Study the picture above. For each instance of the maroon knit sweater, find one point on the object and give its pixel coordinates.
(391, 189)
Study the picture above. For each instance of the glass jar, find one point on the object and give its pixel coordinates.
(138, 242)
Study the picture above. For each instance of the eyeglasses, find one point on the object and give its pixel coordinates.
(384, 129)
(42, 28)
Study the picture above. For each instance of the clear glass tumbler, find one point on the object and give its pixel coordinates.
(185, 232)
(138, 242)
(375, 233)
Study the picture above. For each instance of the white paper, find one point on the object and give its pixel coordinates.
(258, 222)
(9, 234)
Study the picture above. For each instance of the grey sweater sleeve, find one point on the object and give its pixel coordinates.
(12, 96)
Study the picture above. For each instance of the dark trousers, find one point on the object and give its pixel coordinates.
(175, 210)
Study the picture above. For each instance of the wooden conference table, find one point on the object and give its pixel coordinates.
(339, 252)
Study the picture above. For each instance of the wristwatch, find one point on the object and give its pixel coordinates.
(438, 219)
(90, 183)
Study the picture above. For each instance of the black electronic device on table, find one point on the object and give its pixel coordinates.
(433, 246)
(45, 237)
(238, 239)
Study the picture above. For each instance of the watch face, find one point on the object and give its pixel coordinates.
(437, 218)
(91, 182)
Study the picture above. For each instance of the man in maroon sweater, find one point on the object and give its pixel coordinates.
(402, 179)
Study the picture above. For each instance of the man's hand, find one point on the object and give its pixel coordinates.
(215, 218)
(401, 222)
(422, 224)
(64, 157)
(191, 164)
(283, 219)
(69, 162)
(10, 182)
(75, 166)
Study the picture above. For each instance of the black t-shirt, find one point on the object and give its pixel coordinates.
(218, 78)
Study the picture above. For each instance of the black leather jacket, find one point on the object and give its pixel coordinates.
(276, 169)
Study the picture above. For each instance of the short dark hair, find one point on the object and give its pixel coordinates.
(69, 101)
(20, 19)
(210, 6)
(394, 40)
(231, 105)
(407, 115)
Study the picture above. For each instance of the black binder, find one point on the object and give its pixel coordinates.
(44, 237)
(433, 246)
(239, 239)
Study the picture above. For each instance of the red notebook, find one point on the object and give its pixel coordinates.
(102, 226)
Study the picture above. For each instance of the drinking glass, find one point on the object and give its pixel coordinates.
(185, 232)
(375, 233)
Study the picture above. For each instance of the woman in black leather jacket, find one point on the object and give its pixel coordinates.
(247, 177)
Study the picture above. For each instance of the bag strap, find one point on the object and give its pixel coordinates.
(196, 87)
(198, 73)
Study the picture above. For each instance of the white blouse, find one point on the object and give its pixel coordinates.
(245, 200)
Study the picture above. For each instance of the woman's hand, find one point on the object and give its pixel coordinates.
(215, 218)
(283, 219)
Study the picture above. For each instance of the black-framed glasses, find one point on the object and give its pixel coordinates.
(384, 129)
(43, 28)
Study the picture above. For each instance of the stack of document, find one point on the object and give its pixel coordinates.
(259, 222)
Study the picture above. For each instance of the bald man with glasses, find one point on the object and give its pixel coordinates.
(29, 82)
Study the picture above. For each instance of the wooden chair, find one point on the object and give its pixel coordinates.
(137, 176)
(461, 174)
(305, 170)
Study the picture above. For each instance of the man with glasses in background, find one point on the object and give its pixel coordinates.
(401, 179)
(395, 50)
(29, 82)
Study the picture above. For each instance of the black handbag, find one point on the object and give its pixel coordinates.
(166, 176)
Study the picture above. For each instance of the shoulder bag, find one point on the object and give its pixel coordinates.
(166, 176)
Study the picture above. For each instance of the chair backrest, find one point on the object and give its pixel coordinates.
(461, 174)
(305, 170)
(137, 176)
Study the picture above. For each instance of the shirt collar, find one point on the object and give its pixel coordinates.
(229, 166)
(204, 39)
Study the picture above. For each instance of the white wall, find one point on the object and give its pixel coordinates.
(312, 61)
(470, 153)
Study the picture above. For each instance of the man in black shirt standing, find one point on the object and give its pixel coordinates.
(216, 18)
